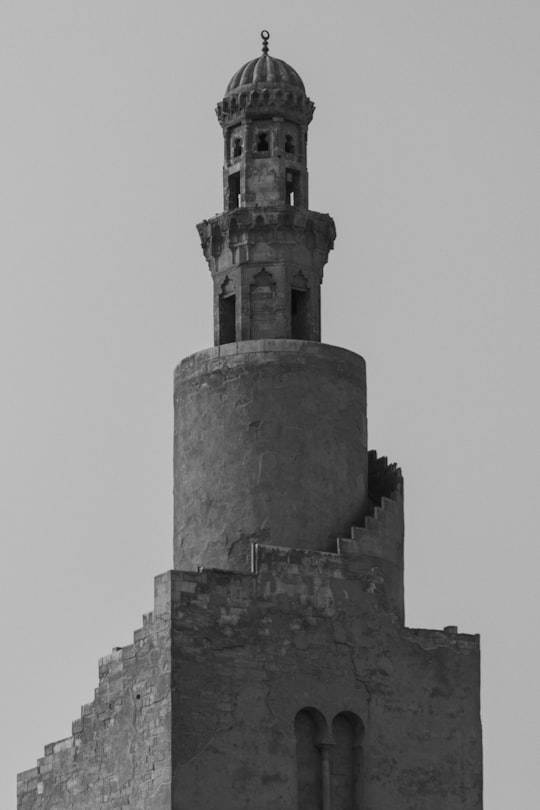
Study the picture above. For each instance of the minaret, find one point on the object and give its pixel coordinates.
(275, 671)
(270, 430)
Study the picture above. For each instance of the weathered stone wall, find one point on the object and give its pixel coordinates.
(200, 711)
(250, 652)
(270, 445)
(120, 753)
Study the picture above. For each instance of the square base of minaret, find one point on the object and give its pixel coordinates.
(293, 686)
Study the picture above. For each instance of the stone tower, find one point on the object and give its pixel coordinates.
(275, 671)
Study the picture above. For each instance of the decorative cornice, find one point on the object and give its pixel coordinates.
(280, 225)
(290, 102)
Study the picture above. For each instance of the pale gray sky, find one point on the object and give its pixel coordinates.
(424, 148)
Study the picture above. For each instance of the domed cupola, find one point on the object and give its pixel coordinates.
(265, 84)
(267, 250)
(265, 69)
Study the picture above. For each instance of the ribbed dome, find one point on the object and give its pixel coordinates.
(265, 69)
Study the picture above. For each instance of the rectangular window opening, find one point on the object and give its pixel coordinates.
(227, 319)
(234, 190)
(292, 187)
(300, 315)
(262, 142)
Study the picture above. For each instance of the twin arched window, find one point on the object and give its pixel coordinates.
(328, 761)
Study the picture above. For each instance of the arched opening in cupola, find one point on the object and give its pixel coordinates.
(262, 142)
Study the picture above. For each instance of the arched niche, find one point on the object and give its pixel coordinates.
(347, 765)
(263, 302)
(310, 730)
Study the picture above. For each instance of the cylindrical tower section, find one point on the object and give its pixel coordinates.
(270, 446)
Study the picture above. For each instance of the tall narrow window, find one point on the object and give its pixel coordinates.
(262, 142)
(300, 315)
(289, 144)
(308, 761)
(262, 306)
(292, 187)
(227, 319)
(234, 190)
(237, 147)
(346, 762)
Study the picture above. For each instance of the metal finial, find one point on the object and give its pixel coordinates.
(265, 37)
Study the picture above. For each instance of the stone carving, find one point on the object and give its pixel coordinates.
(299, 281)
(227, 288)
(263, 279)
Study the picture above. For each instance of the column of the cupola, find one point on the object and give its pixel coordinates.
(264, 175)
(234, 151)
